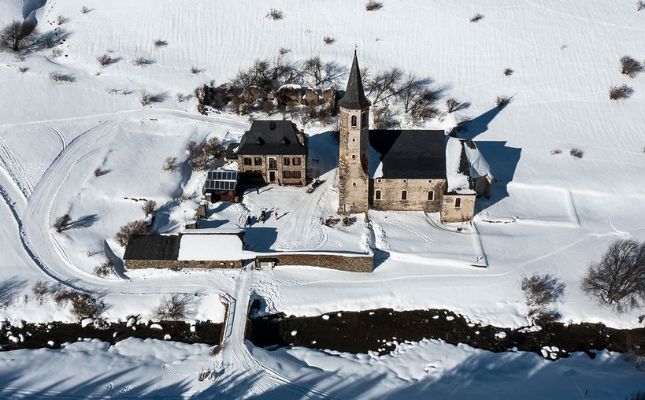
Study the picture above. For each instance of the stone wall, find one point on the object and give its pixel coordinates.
(280, 167)
(351, 263)
(353, 186)
(164, 264)
(416, 193)
(465, 212)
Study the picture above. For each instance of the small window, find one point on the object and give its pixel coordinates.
(431, 195)
(297, 161)
(257, 161)
(404, 195)
(286, 161)
(457, 202)
(354, 121)
(247, 160)
(378, 180)
(353, 156)
(377, 195)
(354, 184)
(405, 181)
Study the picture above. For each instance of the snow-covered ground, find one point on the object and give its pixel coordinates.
(550, 213)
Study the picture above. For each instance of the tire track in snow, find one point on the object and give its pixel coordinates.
(14, 168)
(61, 138)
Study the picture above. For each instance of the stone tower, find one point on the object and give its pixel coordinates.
(353, 179)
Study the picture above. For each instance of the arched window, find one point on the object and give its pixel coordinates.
(354, 121)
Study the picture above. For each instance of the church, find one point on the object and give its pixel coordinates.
(404, 170)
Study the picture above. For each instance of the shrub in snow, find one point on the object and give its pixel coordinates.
(508, 72)
(85, 10)
(576, 153)
(618, 278)
(195, 70)
(62, 222)
(174, 308)
(62, 20)
(106, 59)
(630, 67)
(373, 5)
(477, 18)
(142, 61)
(149, 98)
(104, 269)
(62, 77)
(149, 207)
(274, 14)
(452, 104)
(40, 290)
(541, 291)
(18, 35)
(640, 5)
(84, 305)
(131, 228)
(170, 164)
(620, 92)
(556, 151)
(23, 69)
(160, 43)
(329, 40)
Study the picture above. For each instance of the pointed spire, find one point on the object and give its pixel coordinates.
(354, 98)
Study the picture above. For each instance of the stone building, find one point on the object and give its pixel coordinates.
(404, 170)
(273, 152)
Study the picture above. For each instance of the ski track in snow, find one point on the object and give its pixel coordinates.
(9, 162)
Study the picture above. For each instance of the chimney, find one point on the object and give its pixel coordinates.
(301, 136)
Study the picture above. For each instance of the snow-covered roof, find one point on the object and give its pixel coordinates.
(457, 173)
(208, 245)
(478, 166)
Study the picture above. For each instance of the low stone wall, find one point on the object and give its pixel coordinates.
(159, 264)
(351, 263)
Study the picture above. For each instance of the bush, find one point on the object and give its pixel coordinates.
(195, 70)
(619, 278)
(373, 5)
(40, 290)
(620, 92)
(131, 228)
(149, 207)
(62, 222)
(84, 305)
(555, 152)
(170, 164)
(477, 18)
(275, 14)
(106, 59)
(452, 104)
(576, 153)
(62, 20)
(104, 269)
(640, 5)
(85, 10)
(62, 77)
(630, 67)
(329, 40)
(142, 61)
(18, 35)
(508, 72)
(23, 69)
(99, 172)
(160, 43)
(174, 308)
(149, 98)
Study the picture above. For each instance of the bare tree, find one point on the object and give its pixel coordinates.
(40, 290)
(174, 308)
(630, 67)
(130, 229)
(170, 164)
(18, 35)
(149, 207)
(373, 5)
(62, 222)
(104, 269)
(620, 92)
(386, 84)
(619, 278)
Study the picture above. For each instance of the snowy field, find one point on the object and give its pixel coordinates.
(549, 213)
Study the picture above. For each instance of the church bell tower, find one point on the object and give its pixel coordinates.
(353, 179)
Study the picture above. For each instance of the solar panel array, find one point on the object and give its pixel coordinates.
(221, 180)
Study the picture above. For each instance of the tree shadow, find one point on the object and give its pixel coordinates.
(472, 128)
(83, 222)
(9, 289)
(48, 40)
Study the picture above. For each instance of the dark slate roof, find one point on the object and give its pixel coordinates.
(271, 137)
(410, 154)
(152, 247)
(354, 98)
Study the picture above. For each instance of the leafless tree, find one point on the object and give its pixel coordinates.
(160, 43)
(143, 61)
(478, 17)
(275, 14)
(176, 307)
(329, 40)
(508, 71)
(62, 77)
(18, 35)
(502, 101)
(149, 98)
(576, 153)
(40, 290)
(130, 229)
(104, 269)
(386, 84)
(170, 164)
(62, 222)
(630, 67)
(149, 207)
(619, 278)
(620, 92)
(373, 5)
